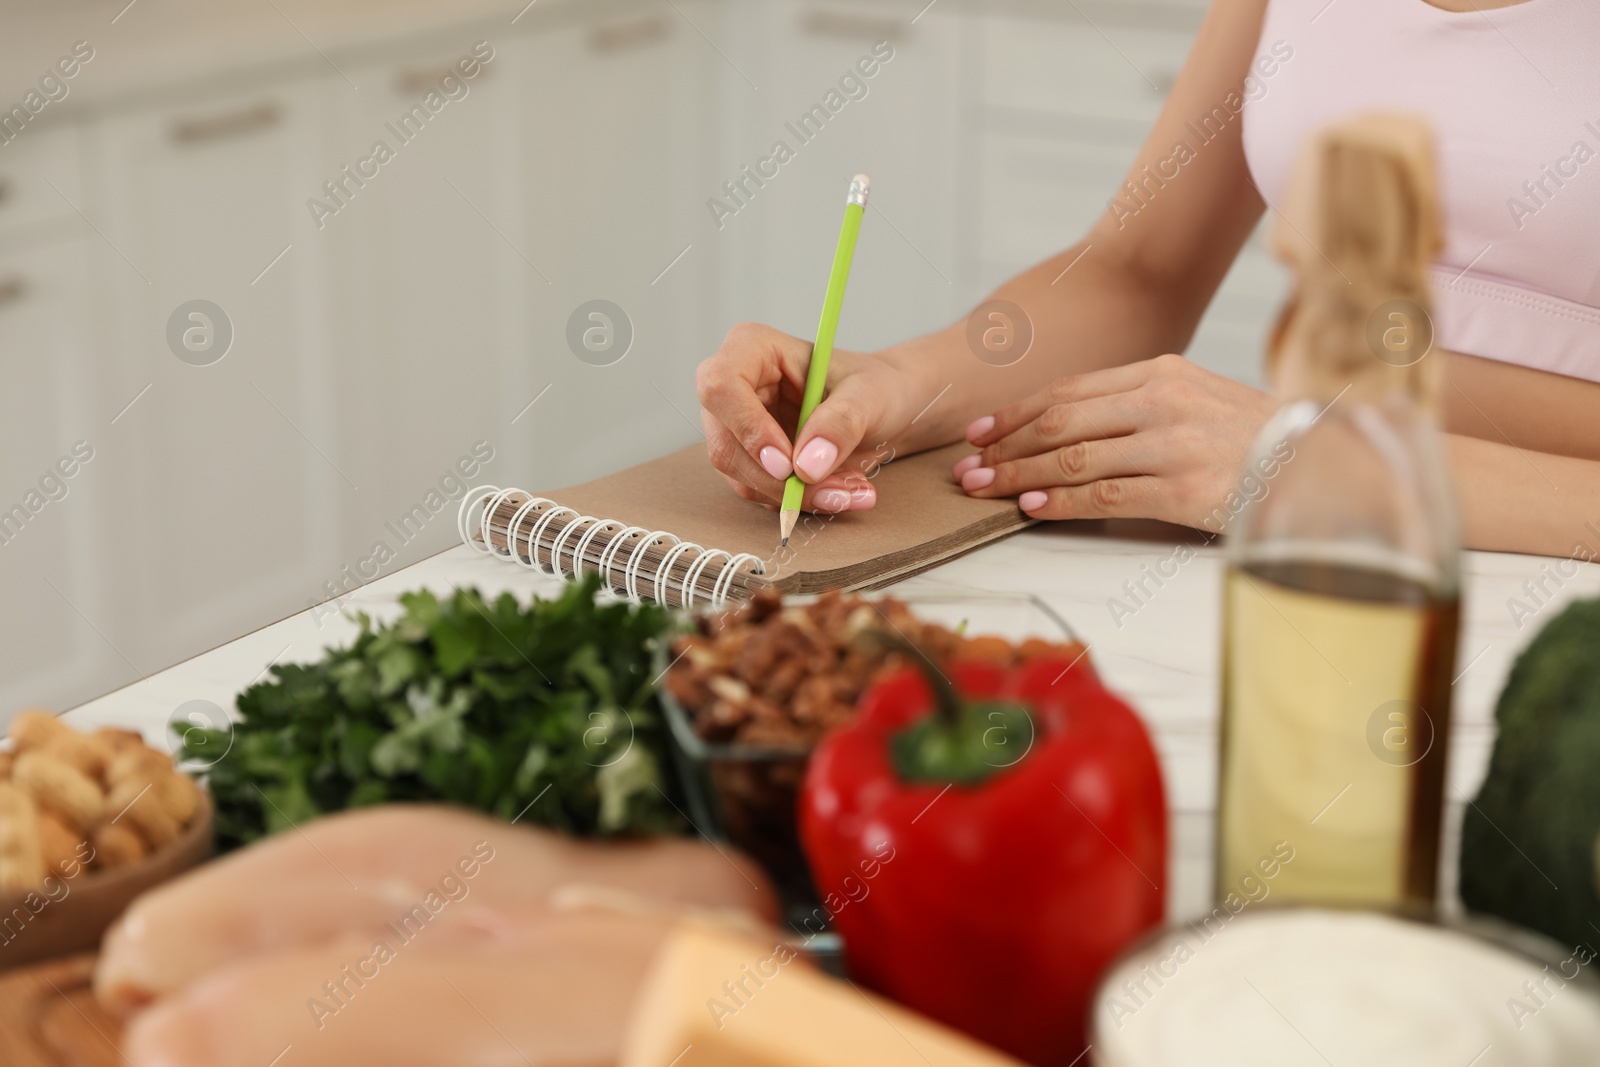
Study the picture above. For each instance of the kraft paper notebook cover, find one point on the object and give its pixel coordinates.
(671, 530)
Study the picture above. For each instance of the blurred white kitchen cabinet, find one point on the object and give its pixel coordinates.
(40, 181)
(220, 480)
(1106, 64)
(369, 352)
(1061, 103)
(372, 346)
(52, 564)
(1232, 337)
(903, 133)
(426, 271)
(1042, 194)
(565, 171)
(1064, 98)
(615, 149)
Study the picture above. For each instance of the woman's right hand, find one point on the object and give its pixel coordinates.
(751, 389)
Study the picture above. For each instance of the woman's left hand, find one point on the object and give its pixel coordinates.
(1158, 439)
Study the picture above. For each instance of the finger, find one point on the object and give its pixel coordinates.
(839, 492)
(751, 361)
(1059, 425)
(750, 494)
(1076, 464)
(855, 479)
(828, 499)
(849, 488)
(1108, 498)
(1074, 388)
(835, 429)
(730, 457)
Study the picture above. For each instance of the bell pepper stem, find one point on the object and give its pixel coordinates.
(947, 701)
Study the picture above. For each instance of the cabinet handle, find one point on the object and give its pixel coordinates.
(5, 190)
(12, 289)
(635, 33)
(246, 120)
(852, 26)
(426, 79)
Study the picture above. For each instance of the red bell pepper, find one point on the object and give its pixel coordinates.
(1012, 823)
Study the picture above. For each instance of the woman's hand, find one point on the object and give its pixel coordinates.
(750, 390)
(1157, 439)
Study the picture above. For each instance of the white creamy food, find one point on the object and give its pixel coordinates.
(1312, 987)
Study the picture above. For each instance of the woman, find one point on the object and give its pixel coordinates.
(1096, 421)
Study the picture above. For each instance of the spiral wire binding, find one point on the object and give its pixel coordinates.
(622, 577)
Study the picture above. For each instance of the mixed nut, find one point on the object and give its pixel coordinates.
(781, 675)
(69, 799)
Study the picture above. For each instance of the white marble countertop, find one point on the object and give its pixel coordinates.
(1163, 658)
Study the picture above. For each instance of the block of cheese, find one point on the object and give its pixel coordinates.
(715, 999)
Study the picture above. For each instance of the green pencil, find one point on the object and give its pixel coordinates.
(817, 374)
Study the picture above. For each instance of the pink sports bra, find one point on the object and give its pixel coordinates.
(1514, 97)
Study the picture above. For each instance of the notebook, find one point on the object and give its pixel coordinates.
(671, 530)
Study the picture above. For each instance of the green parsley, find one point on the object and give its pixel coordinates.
(545, 713)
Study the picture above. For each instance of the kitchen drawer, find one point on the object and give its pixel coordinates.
(1041, 195)
(1038, 196)
(1103, 69)
(29, 164)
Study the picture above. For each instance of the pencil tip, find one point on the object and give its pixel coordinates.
(786, 521)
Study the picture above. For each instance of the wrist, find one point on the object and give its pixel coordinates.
(924, 409)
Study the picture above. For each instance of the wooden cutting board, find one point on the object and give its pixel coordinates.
(49, 1017)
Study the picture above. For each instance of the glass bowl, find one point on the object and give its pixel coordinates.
(747, 795)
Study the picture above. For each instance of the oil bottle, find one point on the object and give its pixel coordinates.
(1342, 590)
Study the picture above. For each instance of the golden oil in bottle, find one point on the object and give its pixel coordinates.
(1335, 726)
(1341, 598)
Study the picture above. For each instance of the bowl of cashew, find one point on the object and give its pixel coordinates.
(88, 821)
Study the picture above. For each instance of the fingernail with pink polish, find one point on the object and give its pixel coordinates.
(980, 427)
(964, 465)
(774, 462)
(831, 500)
(1032, 501)
(817, 459)
(977, 478)
(862, 498)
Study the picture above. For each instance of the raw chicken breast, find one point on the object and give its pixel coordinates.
(557, 992)
(359, 873)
